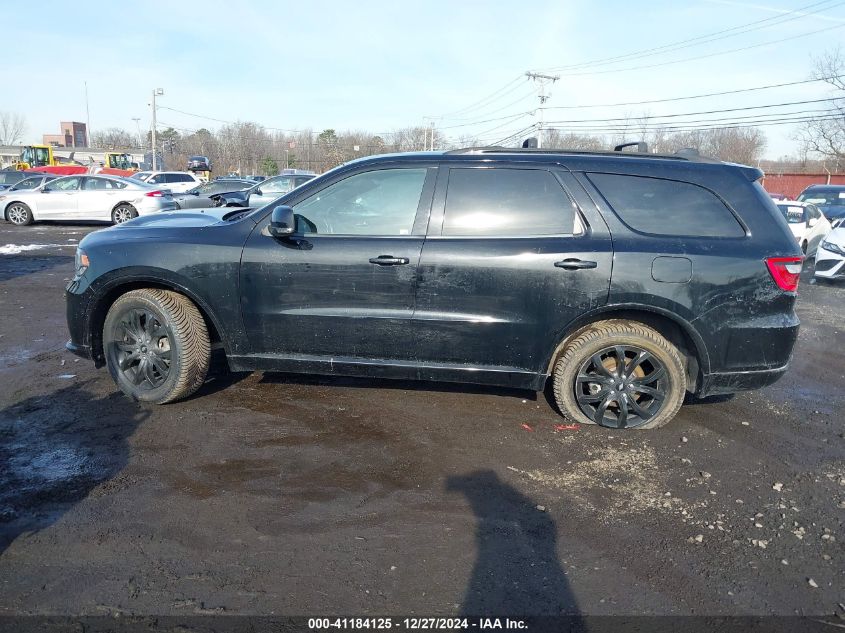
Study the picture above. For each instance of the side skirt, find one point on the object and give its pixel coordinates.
(395, 369)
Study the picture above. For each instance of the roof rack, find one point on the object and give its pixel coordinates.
(688, 153)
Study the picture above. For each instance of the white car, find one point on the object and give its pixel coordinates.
(806, 222)
(830, 258)
(107, 198)
(176, 181)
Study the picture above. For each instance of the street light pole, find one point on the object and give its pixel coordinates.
(156, 93)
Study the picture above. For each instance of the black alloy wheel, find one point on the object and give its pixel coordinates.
(142, 353)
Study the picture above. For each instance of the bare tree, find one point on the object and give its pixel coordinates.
(824, 135)
(12, 128)
(113, 138)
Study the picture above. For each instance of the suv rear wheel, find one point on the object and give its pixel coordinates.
(156, 345)
(620, 374)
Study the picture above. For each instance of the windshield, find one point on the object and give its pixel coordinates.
(827, 197)
(793, 214)
(120, 161)
(36, 156)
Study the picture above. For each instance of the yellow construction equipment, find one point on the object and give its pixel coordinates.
(35, 156)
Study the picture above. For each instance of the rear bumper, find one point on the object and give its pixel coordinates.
(731, 382)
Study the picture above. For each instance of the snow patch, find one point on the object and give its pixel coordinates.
(15, 249)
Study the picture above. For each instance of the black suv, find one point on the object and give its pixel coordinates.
(626, 279)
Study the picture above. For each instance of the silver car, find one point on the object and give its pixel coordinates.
(107, 198)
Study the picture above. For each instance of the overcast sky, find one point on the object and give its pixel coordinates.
(382, 65)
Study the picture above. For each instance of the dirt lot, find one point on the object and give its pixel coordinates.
(287, 494)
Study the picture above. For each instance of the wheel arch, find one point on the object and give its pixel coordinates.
(124, 202)
(675, 329)
(31, 206)
(115, 288)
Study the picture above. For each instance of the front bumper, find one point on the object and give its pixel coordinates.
(829, 265)
(78, 312)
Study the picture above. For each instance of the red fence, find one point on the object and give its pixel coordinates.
(792, 184)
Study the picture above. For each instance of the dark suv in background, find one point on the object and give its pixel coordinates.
(627, 279)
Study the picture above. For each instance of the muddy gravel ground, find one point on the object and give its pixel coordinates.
(289, 494)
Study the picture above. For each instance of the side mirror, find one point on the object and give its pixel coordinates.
(257, 192)
(282, 222)
(812, 222)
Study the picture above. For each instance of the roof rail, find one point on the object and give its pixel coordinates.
(685, 154)
(641, 146)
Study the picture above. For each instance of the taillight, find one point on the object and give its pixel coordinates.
(155, 194)
(785, 271)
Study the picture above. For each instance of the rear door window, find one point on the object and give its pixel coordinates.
(667, 207)
(505, 202)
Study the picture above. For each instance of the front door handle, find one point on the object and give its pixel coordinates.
(389, 260)
(575, 264)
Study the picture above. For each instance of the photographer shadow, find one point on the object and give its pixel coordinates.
(516, 572)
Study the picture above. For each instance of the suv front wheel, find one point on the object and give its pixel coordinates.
(620, 374)
(156, 345)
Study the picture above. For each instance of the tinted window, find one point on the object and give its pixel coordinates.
(667, 207)
(506, 202)
(179, 178)
(7, 178)
(827, 197)
(382, 202)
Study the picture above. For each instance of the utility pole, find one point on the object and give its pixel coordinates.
(156, 93)
(542, 80)
(137, 120)
(87, 121)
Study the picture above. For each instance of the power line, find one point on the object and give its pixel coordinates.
(703, 112)
(208, 118)
(701, 96)
(681, 127)
(704, 39)
(707, 56)
(476, 104)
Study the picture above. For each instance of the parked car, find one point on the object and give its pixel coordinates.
(830, 257)
(262, 193)
(198, 163)
(32, 181)
(779, 197)
(201, 197)
(107, 198)
(829, 198)
(626, 279)
(806, 222)
(176, 181)
(9, 177)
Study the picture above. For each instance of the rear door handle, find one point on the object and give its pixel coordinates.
(389, 260)
(575, 264)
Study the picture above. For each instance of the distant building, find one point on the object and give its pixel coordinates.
(74, 134)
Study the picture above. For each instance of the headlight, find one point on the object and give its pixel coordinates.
(81, 262)
(833, 248)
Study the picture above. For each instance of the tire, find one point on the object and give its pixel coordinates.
(156, 345)
(653, 383)
(123, 213)
(19, 214)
